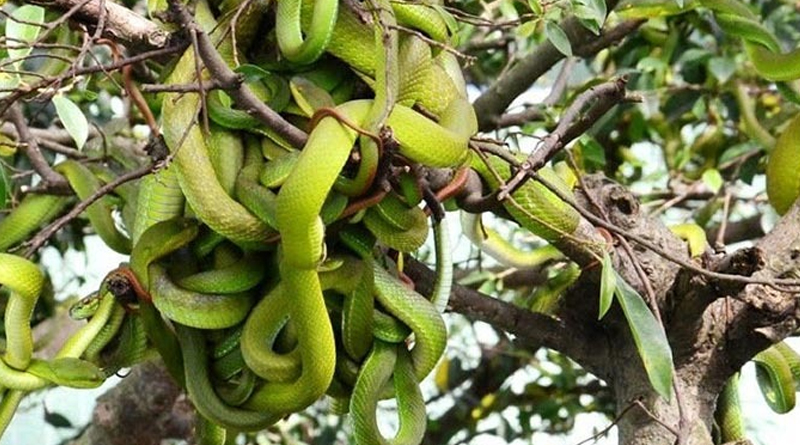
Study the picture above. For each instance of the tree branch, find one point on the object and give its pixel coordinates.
(532, 329)
(571, 125)
(38, 241)
(147, 405)
(491, 104)
(121, 24)
(53, 182)
(242, 95)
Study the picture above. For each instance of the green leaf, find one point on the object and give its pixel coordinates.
(652, 64)
(56, 420)
(155, 7)
(591, 13)
(713, 179)
(694, 55)
(252, 72)
(722, 68)
(536, 7)
(73, 119)
(89, 95)
(788, 93)
(508, 11)
(700, 109)
(608, 284)
(593, 154)
(558, 38)
(745, 149)
(3, 188)
(8, 82)
(23, 34)
(649, 336)
(527, 29)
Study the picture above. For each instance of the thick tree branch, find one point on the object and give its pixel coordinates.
(530, 328)
(491, 104)
(121, 24)
(146, 405)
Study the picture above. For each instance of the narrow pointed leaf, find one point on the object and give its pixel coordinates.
(3, 188)
(56, 420)
(649, 336)
(558, 38)
(591, 13)
(608, 284)
(536, 7)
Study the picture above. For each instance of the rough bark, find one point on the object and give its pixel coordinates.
(713, 326)
(145, 408)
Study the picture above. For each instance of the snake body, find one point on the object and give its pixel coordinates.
(783, 181)
(261, 269)
(33, 212)
(267, 275)
(220, 180)
(25, 281)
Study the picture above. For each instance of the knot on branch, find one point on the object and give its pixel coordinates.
(158, 38)
(745, 262)
(616, 201)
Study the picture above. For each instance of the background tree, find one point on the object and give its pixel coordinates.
(659, 113)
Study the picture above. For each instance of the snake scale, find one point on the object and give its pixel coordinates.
(269, 275)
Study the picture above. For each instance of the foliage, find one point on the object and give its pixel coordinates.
(664, 99)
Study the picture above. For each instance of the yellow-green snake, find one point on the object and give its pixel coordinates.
(19, 372)
(298, 222)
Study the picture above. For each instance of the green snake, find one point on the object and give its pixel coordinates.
(290, 35)
(19, 371)
(35, 210)
(297, 219)
(256, 291)
(210, 173)
(783, 182)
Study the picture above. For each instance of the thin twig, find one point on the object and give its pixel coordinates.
(571, 124)
(560, 85)
(56, 147)
(52, 180)
(532, 113)
(774, 283)
(208, 85)
(719, 243)
(679, 198)
(22, 91)
(605, 430)
(242, 95)
(435, 43)
(38, 241)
